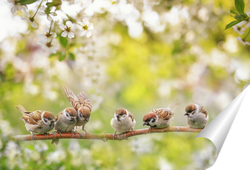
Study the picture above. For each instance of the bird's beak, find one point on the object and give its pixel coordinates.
(186, 114)
(87, 119)
(53, 120)
(75, 118)
(144, 123)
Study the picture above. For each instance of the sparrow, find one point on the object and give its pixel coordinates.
(38, 121)
(123, 121)
(81, 104)
(160, 118)
(65, 122)
(197, 116)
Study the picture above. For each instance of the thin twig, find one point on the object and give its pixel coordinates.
(105, 136)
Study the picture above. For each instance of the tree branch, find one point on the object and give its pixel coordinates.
(104, 136)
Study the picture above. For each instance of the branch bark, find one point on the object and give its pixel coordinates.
(104, 136)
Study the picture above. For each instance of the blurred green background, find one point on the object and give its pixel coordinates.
(158, 53)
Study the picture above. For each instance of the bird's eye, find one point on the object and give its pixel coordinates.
(45, 120)
(67, 114)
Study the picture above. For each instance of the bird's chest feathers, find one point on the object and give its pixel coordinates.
(161, 123)
(125, 122)
(123, 125)
(81, 122)
(65, 125)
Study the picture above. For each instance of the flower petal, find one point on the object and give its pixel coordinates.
(71, 35)
(91, 26)
(69, 23)
(26, 19)
(88, 34)
(34, 25)
(85, 21)
(64, 34)
(73, 27)
(49, 17)
(82, 32)
(62, 26)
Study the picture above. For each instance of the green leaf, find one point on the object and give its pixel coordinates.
(232, 24)
(54, 3)
(233, 11)
(241, 17)
(25, 2)
(62, 57)
(240, 5)
(72, 56)
(63, 41)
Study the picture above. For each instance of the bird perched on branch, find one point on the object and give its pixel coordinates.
(160, 118)
(123, 121)
(81, 104)
(65, 122)
(38, 121)
(197, 116)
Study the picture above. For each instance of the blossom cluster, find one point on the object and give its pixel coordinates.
(56, 17)
(243, 28)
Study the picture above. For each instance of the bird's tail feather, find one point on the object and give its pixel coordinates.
(172, 106)
(21, 109)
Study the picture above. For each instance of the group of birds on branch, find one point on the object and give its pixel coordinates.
(41, 122)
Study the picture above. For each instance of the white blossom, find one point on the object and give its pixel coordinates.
(50, 14)
(85, 27)
(239, 28)
(242, 41)
(68, 29)
(48, 34)
(49, 45)
(16, 6)
(30, 20)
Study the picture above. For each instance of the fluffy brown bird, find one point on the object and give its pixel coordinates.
(81, 104)
(38, 121)
(123, 121)
(197, 116)
(65, 122)
(160, 118)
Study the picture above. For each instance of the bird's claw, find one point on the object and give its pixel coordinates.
(133, 132)
(32, 134)
(150, 129)
(47, 135)
(114, 134)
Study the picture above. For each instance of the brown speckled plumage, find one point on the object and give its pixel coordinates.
(77, 101)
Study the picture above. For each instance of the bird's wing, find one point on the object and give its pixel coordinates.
(84, 100)
(29, 120)
(58, 115)
(162, 113)
(202, 110)
(172, 106)
(131, 116)
(71, 96)
(36, 115)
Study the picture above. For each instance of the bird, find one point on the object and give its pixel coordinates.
(38, 121)
(81, 104)
(123, 121)
(160, 118)
(65, 122)
(197, 116)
